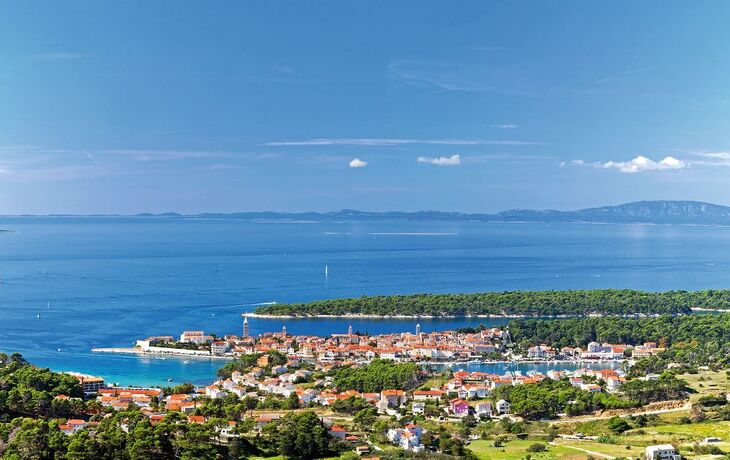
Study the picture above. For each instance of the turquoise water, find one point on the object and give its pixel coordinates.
(106, 282)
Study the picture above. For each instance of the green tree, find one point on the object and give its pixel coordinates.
(81, 446)
(302, 435)
(618, 425)
(195, 443)
(292, 402)
(365, 418)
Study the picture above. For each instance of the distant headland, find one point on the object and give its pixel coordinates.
(644, 212)
(514, 304)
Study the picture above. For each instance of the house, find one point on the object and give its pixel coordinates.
(555, 375)
(227, 432)
(219, 347)
(89, 383)
(279, 369)
(590, 387)
(72, 426)
(337, 431)
(382, 406)
(352, 439)
(212, 391)
(595, 347)
(648, 349)
(199, 419)
(156, 418)
(541, 352)
(414, 429)
(425, 395)
(475, 391)
(613, 383)
(418, 407)
(483, 409)
(265, 419)
(197, 337)
(662, 452)
(459, 407)
(394, 398)
(362, 450)
(503, 407)
(408, 438)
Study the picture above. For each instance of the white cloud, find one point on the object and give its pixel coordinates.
(358, 163)
(453, 160)
(715, 155)
(390, 141)
(503, 126)
(642, 163)
(636, 165)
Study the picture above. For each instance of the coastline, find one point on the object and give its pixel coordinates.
(718, 310)
(140, 352)
(370, 316)
(524, 361)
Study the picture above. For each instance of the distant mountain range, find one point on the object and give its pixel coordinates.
(653, 212)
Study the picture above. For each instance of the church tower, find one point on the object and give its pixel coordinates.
(245, 326)
(418, 329)
(349, 330)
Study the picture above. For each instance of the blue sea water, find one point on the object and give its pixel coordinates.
(108, 281)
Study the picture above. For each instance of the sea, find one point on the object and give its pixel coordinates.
(68, 284)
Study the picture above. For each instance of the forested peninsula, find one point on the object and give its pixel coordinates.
(569, 303)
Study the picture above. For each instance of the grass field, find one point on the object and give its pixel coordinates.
(517, 450)
(683, 435)
(434, 382)
(707, 383)
(613, 450)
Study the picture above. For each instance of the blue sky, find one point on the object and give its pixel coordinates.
(124, 107)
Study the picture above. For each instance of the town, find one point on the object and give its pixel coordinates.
(485, 345)
(273, 373)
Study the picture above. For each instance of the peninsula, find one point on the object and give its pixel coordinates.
(570, 303)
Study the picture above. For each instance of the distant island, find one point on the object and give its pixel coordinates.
(569, 303)
(646, 212)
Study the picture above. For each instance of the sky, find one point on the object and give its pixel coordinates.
(474, 106)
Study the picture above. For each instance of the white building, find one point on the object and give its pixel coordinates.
(72, 426)
(408, 438)
(662, 452)
(219, 347)
(198, 337)
(503, 407)
(212, 391)
(418, 407)
(483, 409)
